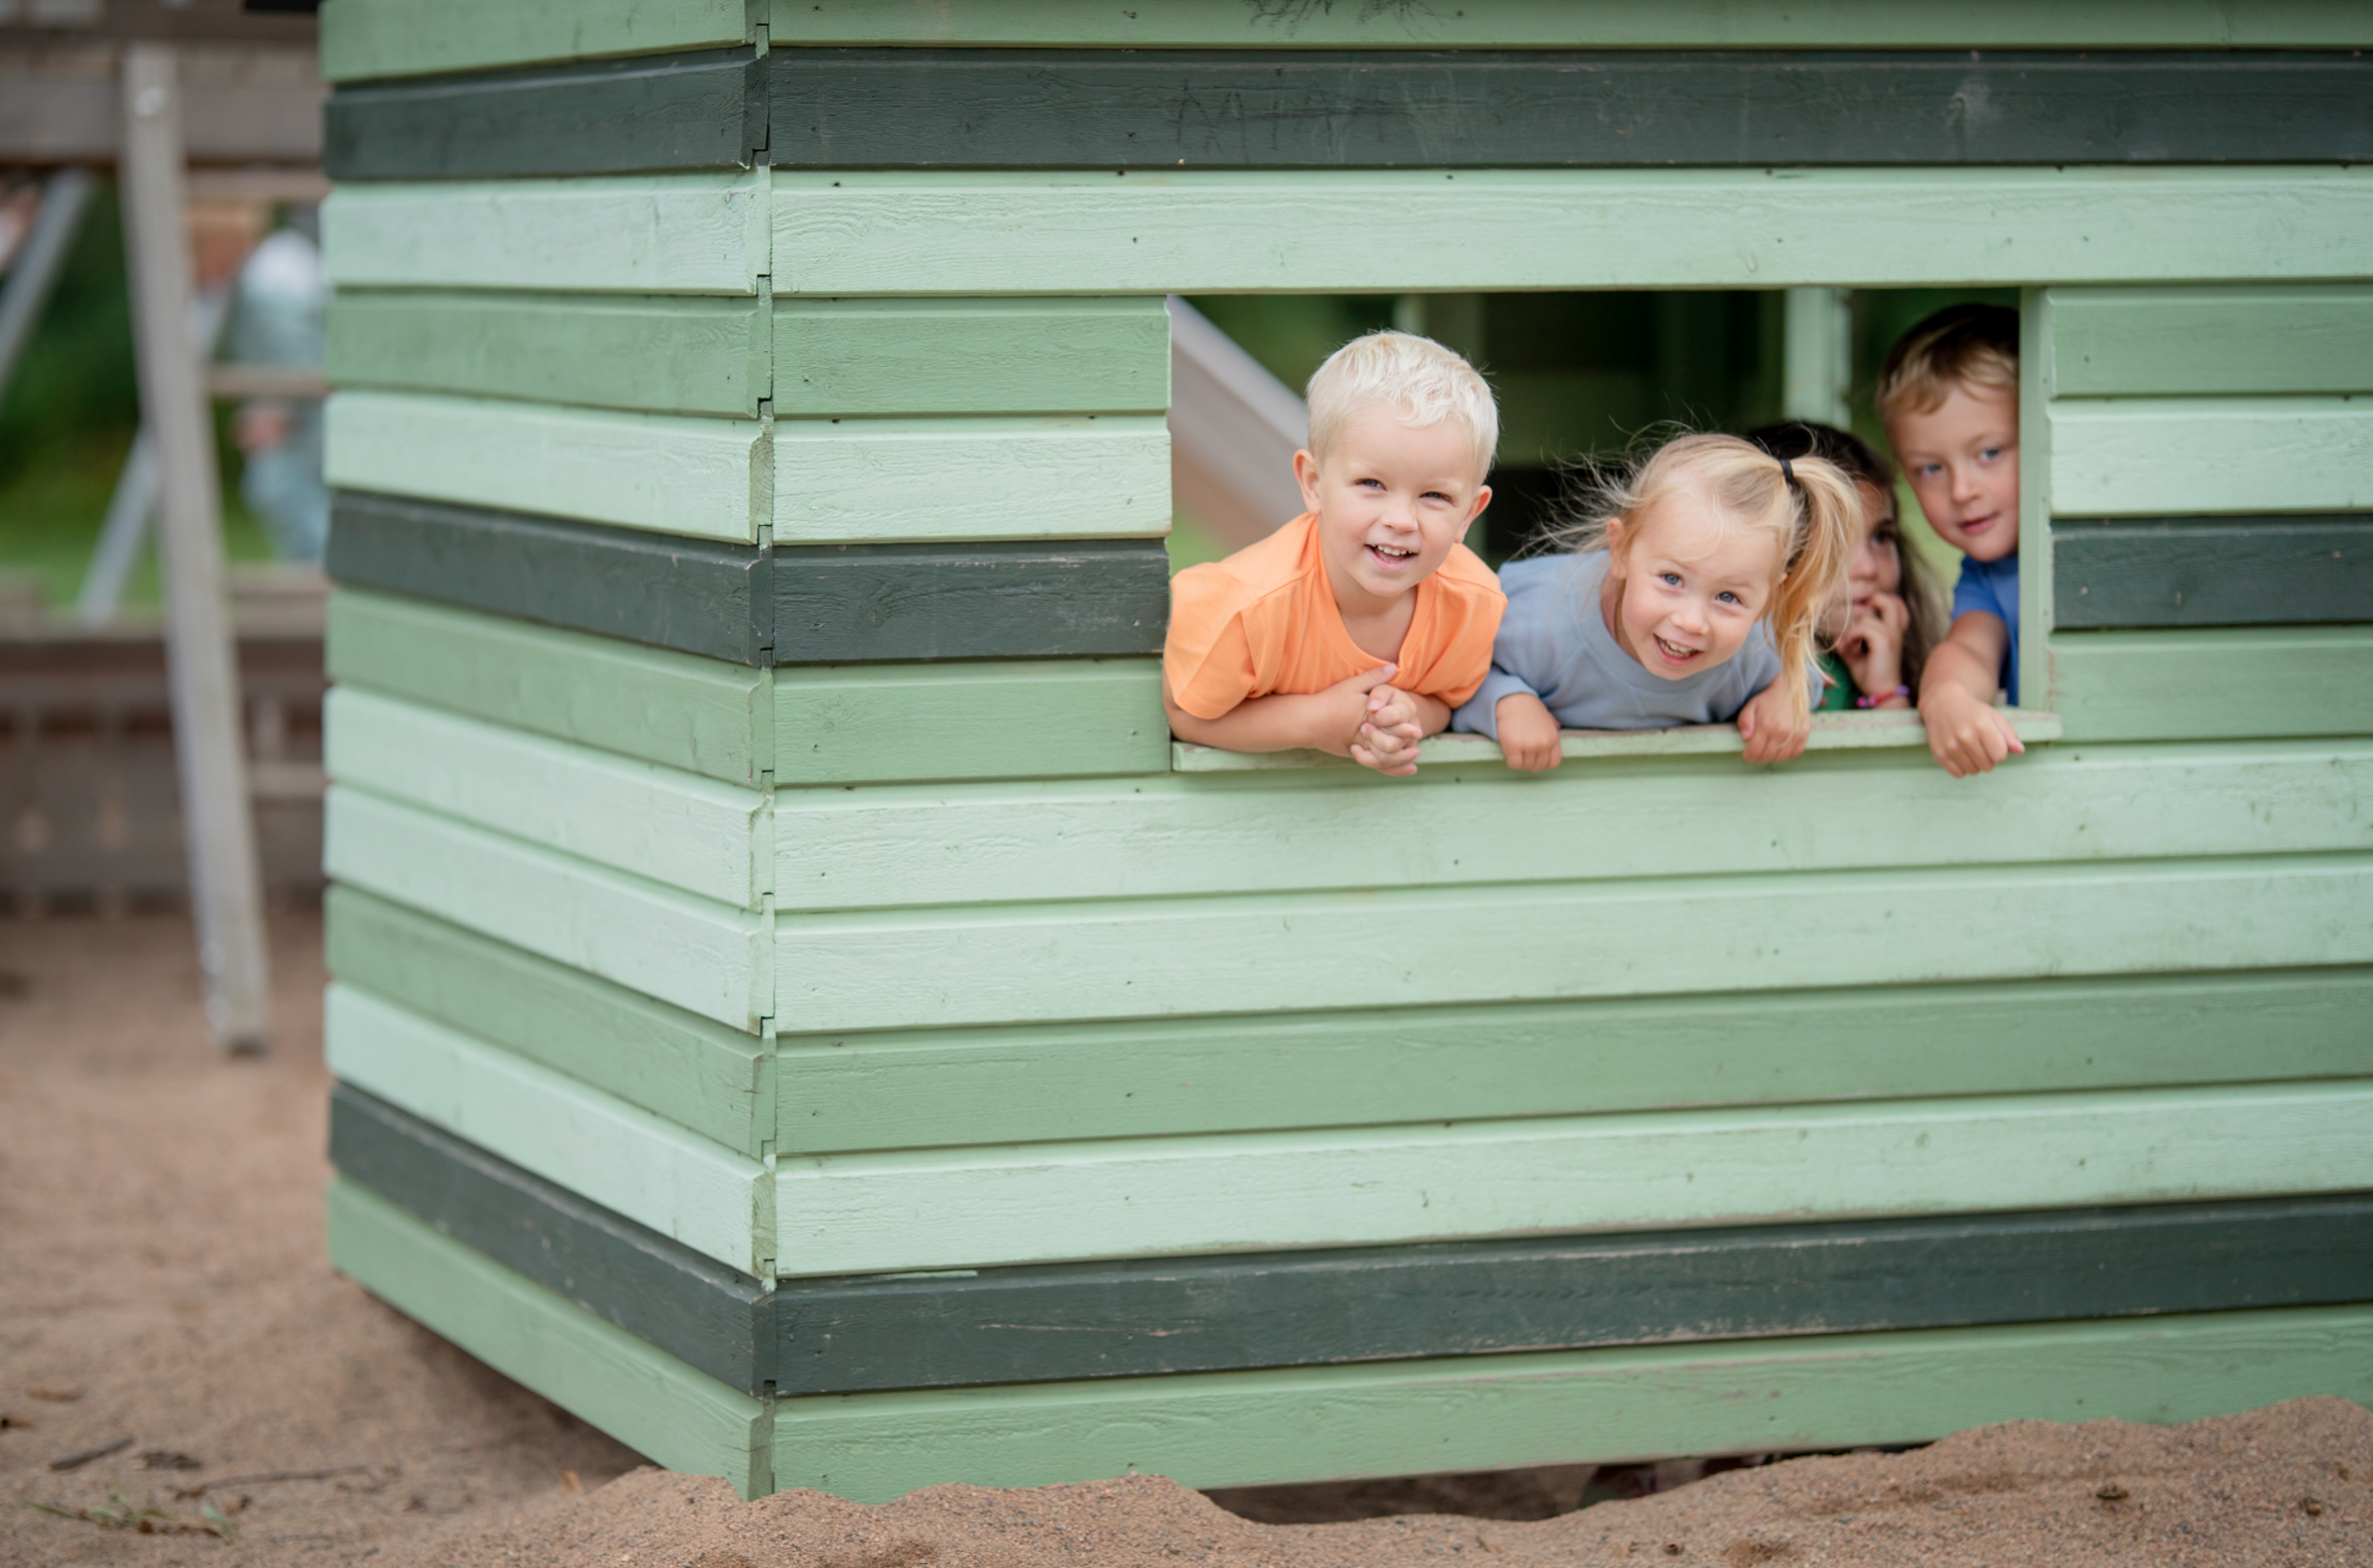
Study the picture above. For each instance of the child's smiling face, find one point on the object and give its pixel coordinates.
(1683, 588)
(1390, 501)
(1962, 460)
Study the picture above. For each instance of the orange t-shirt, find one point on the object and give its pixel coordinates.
(1265, 621)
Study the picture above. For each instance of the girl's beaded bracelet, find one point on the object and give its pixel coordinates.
(1885, 696)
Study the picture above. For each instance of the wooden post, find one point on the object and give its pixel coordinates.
(226, 889)
(37, 263)
(1818, 361)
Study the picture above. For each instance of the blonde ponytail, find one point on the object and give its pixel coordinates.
(1826, 534)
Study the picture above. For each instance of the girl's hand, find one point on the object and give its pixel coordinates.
(1873, 647)
(1770, 729)
(1528, 733)
(1965, 735)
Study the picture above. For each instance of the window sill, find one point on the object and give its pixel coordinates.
(1832, 732)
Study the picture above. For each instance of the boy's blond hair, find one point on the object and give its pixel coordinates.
(1976, 346)
(1422, 381)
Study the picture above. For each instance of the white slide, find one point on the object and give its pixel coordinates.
(1233, 431)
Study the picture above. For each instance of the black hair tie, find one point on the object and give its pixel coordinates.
(1787, 473)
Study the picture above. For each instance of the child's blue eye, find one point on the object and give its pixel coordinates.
(1727, 597)
(1991, 452)
(1670, 580)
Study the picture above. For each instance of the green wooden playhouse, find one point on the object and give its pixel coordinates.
(797, 1009)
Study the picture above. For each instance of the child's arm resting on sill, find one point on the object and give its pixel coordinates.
(1967, 733)
(1365, 717)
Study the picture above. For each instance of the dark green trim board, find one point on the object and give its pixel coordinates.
(810, 605)
(699, 110)
(2285, 570)
(1142, 1318)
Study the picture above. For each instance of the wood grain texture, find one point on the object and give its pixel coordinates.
(1351, 1188)
(673, 828)
(706, 478)
(2231, 572)
(713, 599)
(884, 480)
(658, 1405)
(404, 38)
(656, 234)
(678, 1301)
(647, 352)
(857, 603)
(1479, 1413)
(698, 954)
(714, 1080)
(701, 714)
(853, 357)
(844, 725)
(702, 1194)
(2212, 342)
(695, 110)
(2173, 457)
(1541, 942)
(1070, 108)
(2215, 684)
(1207, 231)
(1189, 835)
(921, 1089)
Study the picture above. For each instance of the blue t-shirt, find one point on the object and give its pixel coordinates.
(1994, 586)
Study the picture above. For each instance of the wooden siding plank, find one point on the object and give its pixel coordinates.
(1368, 1187)
(707, 957)
(2231, 572)
(2157, 458)
(662, 589)
(696, 111)
(1019, 720)
(1047, 107)
(1094, 597)
(628, 1161)
(2214, 685)
(673, 828)
(643, 1397)
(675, 1299)
(883, 480)
(2208, 342)
(1243, 954)
(1198, 232)
(699, 714)
(671, 474)
(921, 1089)
(412, 37)
(1194, 834)
(717, 1082)
(650, 353)
(1223, 1429)
(650, 233)
(866, 357)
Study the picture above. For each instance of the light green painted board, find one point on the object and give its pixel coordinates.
(704, 956)
(408, 38)
(1005, 963)
(916, 1209)
(649, 1400)
(673, 828)
(2197, 342)
(851, 482)
(702, 1076)
(661, 354)
(1479, 1413)
(643, 233)
(2038, 323)
(1149, 837)
(702, 715)
(2156, 457)
(1209, 231)
(627, 1159)
(671, 474)
(1024, 719)
(971, 356)
(2214, 684)
(928, 1089)
(1580, 24)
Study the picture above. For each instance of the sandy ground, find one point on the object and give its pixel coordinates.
(162, 1280)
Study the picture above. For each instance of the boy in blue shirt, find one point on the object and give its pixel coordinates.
(1949, 395)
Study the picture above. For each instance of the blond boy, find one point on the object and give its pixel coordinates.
(1358, 626)
(1949, 395)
